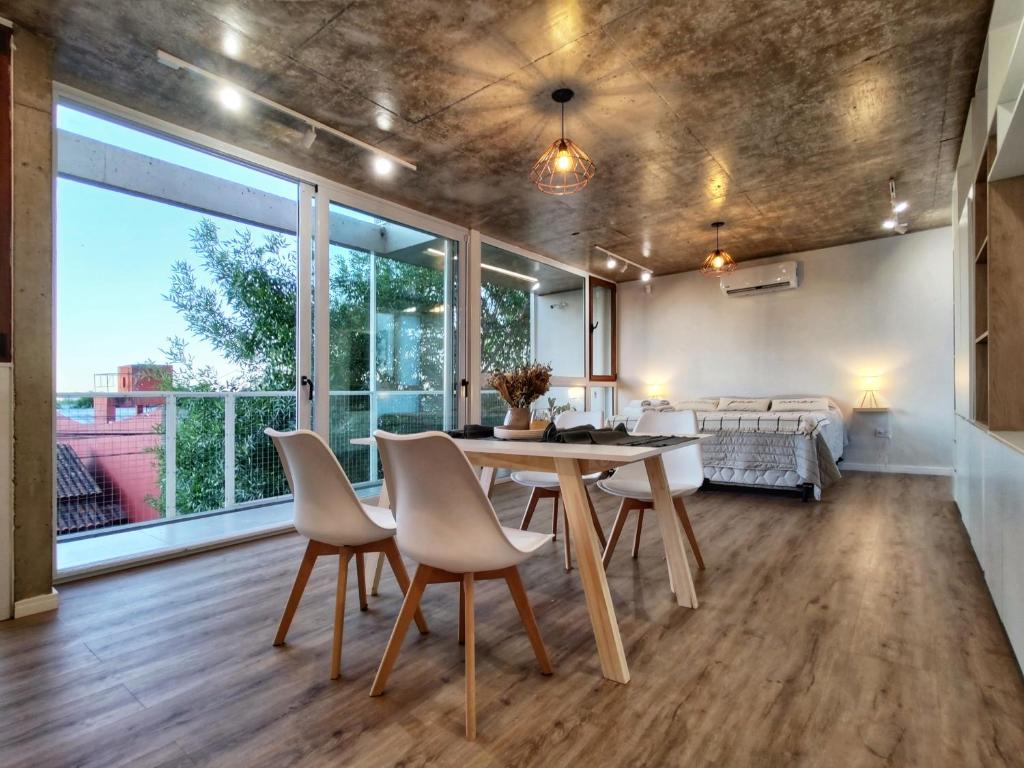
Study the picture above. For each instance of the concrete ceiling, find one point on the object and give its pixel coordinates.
(785, 118)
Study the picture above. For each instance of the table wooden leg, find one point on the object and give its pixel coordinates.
(591, 570)
(487, 475)
(384, 500)
(681, 579)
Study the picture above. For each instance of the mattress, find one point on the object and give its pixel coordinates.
(769, 449)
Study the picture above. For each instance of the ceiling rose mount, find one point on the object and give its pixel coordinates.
(564, 168)
(717, 262)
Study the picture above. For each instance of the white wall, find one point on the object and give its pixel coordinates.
(559, 331)
(881, 307)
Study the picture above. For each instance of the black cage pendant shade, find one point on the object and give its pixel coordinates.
(564, 168)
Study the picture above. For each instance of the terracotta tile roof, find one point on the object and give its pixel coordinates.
(80, 502)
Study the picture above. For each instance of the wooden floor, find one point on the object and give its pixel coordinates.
(853, 632)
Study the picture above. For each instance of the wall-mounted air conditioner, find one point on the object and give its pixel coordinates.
(768, 278)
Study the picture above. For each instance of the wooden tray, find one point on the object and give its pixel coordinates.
(518, 434)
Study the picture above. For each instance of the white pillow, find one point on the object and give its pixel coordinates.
(801, 404)
(700, 404)
(744, 404)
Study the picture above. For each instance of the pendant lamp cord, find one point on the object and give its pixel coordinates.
(563, 121)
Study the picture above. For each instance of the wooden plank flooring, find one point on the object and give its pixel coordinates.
(853, 632)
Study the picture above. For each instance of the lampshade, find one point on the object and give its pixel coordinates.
(717, 262)
(564, 168)
(871, 383)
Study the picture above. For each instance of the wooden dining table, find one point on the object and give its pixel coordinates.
(571, 462)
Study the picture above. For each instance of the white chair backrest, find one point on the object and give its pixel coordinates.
(444, 518)
(682, 466)
(571, 419)
(326, 505)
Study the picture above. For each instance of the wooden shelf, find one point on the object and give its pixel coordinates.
(982, 339)
(871, 410)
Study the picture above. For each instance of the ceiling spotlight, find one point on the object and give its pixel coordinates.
(564, 168)
(231, 44)
(383, 121)
(893, 224)
(610, 263)
(309, 137)
(645, 277)
(382, 166)
(230, 98)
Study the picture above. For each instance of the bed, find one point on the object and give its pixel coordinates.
(791, 450)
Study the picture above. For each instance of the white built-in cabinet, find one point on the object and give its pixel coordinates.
(989, 465)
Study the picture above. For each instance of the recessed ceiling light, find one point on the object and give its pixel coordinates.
(901, 207)
(382, 166)
(610, 263)
(231, 44)
(889, 224)
(230, 98)
(645, 277)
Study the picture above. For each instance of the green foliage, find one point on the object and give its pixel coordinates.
(504, 328)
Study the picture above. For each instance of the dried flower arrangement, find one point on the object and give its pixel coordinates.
(521, 386)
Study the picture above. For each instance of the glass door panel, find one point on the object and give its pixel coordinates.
(389, 340)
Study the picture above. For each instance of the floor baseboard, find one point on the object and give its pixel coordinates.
(36, 604)
(896, 469)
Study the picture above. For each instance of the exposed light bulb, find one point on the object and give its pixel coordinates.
(231, 44)
(645, 277)
(382, 166)
(610, 263)
(563, 161)
(901, 207)
(718, 261)
(230, 98)
(889, 224)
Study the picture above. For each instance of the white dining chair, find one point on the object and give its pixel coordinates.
(684, 468)
(446, 524)
(330, 515)
(545, 484)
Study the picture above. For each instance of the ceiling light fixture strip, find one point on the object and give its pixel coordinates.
(169, 60)
(623, 259)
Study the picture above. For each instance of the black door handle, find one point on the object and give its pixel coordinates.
(305, 381)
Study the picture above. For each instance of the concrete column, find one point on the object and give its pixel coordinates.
(33, 316)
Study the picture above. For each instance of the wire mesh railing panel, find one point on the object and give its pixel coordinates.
(349, 418)
(108, 462)
(258, 471)
(198, 470)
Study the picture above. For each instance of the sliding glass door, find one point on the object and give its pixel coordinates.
(384, 332)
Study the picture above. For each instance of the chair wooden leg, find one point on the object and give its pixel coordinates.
(566, 546)
(515, 586)
(685, 520)
(462, 615)
(597, 522)
(377, 571)
(636, 536)
(409, 608)
(361, 578)
(530, 507)
(613, 537)
(339, 612)
(301, 578)
(554, 516)
(402, 577)
(467, 610)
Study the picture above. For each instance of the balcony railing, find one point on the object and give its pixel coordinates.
(130, 458)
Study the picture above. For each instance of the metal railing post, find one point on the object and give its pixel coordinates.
(170, 455)
(229, 449)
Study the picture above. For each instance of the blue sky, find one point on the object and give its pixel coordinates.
(114, 257)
